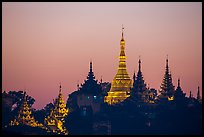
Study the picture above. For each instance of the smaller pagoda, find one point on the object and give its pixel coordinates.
(90, 85)
(179, 95)
(167, 88)
(55, 121)
(140, 92)
(198, 95)
(25, 116)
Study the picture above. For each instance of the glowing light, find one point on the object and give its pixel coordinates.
(121, 84)
(171, 98)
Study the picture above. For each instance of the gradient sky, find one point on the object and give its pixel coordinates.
(48, 43)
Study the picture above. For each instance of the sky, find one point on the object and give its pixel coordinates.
(44, 44)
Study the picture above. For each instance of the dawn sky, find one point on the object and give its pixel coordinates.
(44, 44)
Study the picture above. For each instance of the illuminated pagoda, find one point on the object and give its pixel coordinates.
(55, 121)
(25, 116)
(121, 84)
(167, 88)
(179, 92)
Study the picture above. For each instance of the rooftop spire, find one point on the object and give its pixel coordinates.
(178, 82)
(101, 79)
(90, 75)
(122, 32)
(198, 93)
(167, 62)
(179, 94)
(139, 83)
(60, 91)
(190, 96)
(77, 84)
(139, 64)
(90, 66)
(122, 45)
(24, 95)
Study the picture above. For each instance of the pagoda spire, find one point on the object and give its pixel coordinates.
(122, 39)
(121, 84)
(77, 84)
(101, 80)
(55, 121)
(25, 115)
(139, 84)
(90, 66)
(178, 95)
(24, 96)
(134, 76)
(190, 96)
(178, 86)
(122, 47)
(178, 82)
(90, 85)
(141, 92)
(139, 64)
(60, 89)
(91, 74)
(167, 61)
(167, 88)
(198, 94)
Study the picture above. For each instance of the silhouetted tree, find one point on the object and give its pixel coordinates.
(42, 113)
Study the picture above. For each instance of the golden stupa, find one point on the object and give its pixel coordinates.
(121, 84)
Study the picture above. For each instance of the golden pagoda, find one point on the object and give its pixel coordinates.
(121, 84)
(55, 121)
(24, 116)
